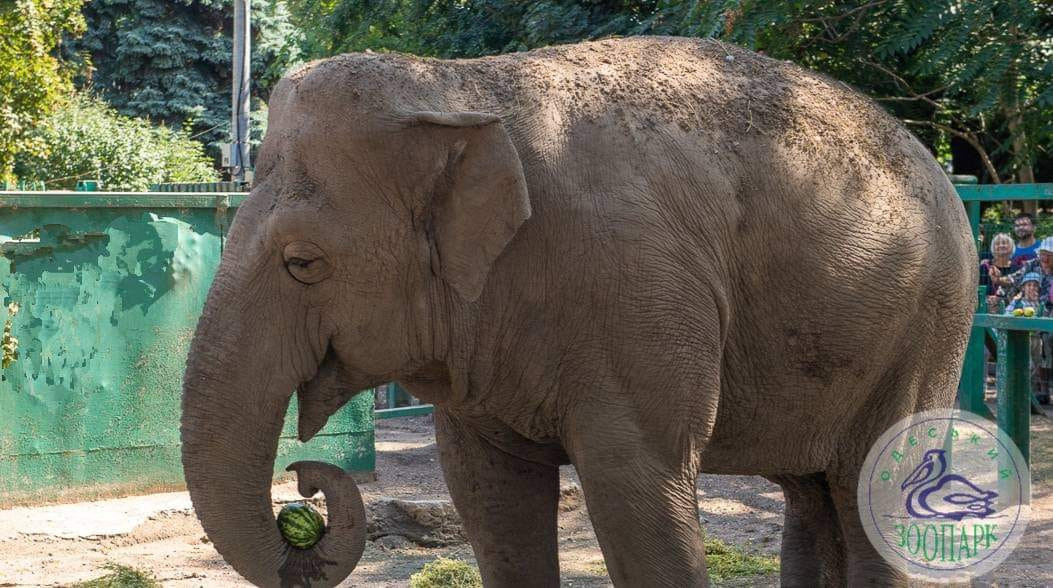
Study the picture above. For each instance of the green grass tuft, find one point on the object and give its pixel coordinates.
(121, 577)
(723, 561)
(447, 573)
(597, 568)
(726, 561)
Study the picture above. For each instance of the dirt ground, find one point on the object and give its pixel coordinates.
(59, 545)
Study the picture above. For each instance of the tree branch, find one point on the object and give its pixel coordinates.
(906, 85)
(846, 14)
(967, 136)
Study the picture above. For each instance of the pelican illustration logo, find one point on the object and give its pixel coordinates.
(944, 495)
(934, 494)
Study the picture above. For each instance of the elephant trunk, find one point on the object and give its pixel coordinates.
(232, 418)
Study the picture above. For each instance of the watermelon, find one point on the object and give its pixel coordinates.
(300, 524)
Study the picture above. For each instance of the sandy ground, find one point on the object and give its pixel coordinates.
(58, 545)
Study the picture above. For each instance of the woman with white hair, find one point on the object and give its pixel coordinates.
(994, 265)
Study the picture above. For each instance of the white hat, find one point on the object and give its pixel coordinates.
(1047, 245)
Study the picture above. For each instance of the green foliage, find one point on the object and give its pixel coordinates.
(977, 71)
(88, 139)
(996, 214)
(446, 573)
(8, 343)
(998, 218)
(171, 61)
(121, 577)
(725, 561)
(33, 79)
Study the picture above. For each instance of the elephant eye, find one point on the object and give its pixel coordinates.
(306, 262)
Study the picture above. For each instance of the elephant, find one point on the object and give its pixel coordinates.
(645, 257)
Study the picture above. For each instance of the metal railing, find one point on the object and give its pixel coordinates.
(398, 403)
(1015, 399)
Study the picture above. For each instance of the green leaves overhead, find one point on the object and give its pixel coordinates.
(170, 60)
(972, 76)
(974, 71)
(33, 80)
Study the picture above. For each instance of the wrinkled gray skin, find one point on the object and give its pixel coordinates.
(646, 257)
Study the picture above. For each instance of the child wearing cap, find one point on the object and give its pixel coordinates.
(1028, 302)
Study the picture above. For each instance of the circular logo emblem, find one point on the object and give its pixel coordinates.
(944, 495)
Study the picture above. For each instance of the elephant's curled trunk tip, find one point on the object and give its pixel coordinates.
(336, 554)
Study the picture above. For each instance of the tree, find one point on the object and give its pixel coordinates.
(976, 72)
(34, 79)
(170, 61)
(86, 138)
(980, 71)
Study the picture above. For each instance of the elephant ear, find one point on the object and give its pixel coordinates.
(479, 199)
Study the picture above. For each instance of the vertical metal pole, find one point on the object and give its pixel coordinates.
(974, 375)
(1014, 404)
(974, 368)
(973, 208)
(239, 118)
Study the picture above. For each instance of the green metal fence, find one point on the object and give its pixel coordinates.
(400, 403)
(200, 187)
(1015, 398)
(100, 296)
(101, 292)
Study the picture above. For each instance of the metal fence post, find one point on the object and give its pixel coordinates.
(974, 375)
(1014, 403)
(974, 368)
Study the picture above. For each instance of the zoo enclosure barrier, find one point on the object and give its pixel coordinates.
(108, 287)
(100, 296)
(397, 402)
(1015, 399)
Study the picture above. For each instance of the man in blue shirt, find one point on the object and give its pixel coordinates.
(1026, 244)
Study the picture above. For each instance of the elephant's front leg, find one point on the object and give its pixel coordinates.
(645, 513)
(509, 506)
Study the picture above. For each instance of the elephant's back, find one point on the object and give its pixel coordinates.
(828, 226)
(765, 163)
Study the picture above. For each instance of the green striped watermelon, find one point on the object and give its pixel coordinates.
(300, 524)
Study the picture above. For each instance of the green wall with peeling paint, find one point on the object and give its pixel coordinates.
(108, 290)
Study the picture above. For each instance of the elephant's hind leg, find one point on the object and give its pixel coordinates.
(864, 565)
(813, 552)
(509, 506)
